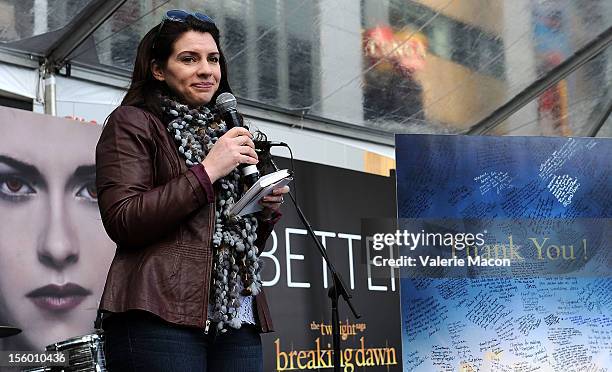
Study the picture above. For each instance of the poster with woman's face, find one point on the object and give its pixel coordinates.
(54, 252)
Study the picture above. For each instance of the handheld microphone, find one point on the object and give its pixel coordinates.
(226, 104)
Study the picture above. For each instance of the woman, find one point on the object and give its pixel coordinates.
(183, 292)
(54, 252)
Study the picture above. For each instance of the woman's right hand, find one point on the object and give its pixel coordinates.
(233, 148)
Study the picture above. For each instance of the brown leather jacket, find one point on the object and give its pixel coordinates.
(159, 214)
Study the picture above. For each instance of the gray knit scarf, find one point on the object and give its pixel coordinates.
(235, 254)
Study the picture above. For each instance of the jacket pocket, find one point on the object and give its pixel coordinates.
(160, 266)
(157, 278)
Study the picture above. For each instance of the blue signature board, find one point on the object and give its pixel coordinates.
(524, 321)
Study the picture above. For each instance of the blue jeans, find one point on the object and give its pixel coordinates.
(140, 341)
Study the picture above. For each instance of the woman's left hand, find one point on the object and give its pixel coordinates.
(273, 201)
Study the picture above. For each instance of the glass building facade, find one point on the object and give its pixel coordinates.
(397, 66)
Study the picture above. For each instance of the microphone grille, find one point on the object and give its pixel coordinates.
(226, 101)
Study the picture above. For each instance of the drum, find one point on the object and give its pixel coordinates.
(85, 354)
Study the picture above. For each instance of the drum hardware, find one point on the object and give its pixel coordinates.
(84, 353)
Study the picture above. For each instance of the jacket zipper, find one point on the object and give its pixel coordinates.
(211, 224)
(205, 307)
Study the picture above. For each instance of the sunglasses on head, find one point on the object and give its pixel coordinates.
(178, 15)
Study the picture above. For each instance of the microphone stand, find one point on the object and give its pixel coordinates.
(337, 289)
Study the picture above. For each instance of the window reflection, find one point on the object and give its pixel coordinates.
(477, 55)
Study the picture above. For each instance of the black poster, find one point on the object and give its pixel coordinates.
(334, 200)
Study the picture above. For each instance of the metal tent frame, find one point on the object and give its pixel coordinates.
(90, 18)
